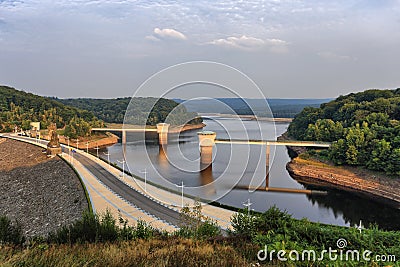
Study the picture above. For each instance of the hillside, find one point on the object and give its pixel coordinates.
(280, 108)
(364, 127)
(148, 110)
(18, 108)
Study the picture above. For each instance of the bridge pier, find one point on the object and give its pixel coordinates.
(206, 142)
(162, 130)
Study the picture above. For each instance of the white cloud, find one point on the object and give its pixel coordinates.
(168, 34)
(330, 56)
(251, 43)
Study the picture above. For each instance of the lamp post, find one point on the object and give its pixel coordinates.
(97, 151)
(69, 149)
(145, 179)
(108, 159)
(248, 205)
(123, 167)
(181, 186)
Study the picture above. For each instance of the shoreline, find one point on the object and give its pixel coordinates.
(375, 185)
(351, 179)
(250, 117)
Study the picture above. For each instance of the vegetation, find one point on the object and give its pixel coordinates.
(365, 129)
(18, 108)
(142, 110)
(101, 240)
(10, 232)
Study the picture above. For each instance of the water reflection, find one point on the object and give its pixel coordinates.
(206, 179)
(179, 162)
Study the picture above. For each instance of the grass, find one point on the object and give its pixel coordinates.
(154, 252)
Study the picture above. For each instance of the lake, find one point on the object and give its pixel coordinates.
(245, 165)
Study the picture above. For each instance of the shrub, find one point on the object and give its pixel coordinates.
(10, 233)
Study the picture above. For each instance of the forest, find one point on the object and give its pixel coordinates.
(364, 128)
(18, 108)
(77, 116)
(142, 110)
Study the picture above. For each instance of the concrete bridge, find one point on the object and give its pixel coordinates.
(207, 140)
(162, 130)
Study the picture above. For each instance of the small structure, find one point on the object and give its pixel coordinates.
(162, 130)
(53, 147)
(206, 142)
(35, 126)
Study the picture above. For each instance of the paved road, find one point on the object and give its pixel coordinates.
(124, 191)
(132, 196)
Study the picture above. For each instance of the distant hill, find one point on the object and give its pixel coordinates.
(143, 110)
(18, 108)
(284, 108)
(365, 129)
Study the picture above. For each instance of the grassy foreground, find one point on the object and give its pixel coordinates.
(152, 252)
(101, 240)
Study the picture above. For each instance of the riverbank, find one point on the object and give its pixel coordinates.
(249, 117)
(353, 179)
(312, 171)
(41, 193)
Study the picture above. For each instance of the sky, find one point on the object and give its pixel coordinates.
(289, 48)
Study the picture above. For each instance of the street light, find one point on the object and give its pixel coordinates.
(108, 159)
(87, 147)
(69, 149)
(248, 205)
(181, 186)
(145, 179)
(123, 167)
(97, 151)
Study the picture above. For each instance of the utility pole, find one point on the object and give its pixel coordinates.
(248, 205)
(181, 186)
(123, 167)
(145, 179)
(108, 159)
(97, 151)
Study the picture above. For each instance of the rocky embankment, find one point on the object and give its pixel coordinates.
(41, 193)
(359, 180)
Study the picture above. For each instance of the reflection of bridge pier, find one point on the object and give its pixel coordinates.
(267, 165)
(267, 160)
(207, 179)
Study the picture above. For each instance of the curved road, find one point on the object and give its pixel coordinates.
(127, 193)
(118, 187)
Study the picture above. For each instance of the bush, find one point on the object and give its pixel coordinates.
(195, 225)
(10, 233)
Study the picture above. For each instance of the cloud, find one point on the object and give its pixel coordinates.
(251, 43)
(167, 34)
(330, 56)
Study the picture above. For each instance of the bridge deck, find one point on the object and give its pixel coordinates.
(126, 130)
(273, 142)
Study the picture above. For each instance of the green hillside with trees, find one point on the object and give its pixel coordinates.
(144, 110)
(364, 128)
(18, 108)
